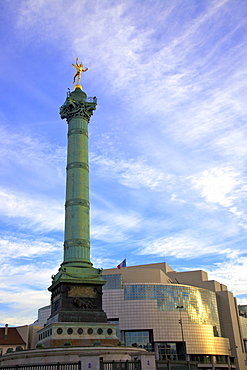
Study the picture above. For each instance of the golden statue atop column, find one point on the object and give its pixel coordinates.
(79, 70)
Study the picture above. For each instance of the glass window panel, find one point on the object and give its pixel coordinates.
(139, 338)
(200, 304)
(112, 282)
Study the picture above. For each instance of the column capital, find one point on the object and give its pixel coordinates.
(77, 105)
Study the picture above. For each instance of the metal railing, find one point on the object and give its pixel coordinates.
(92, 99)
(120, 365)
(176, 365)
(53, 366)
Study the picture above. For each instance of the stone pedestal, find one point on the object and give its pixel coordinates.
(75, 334)
(77, 303)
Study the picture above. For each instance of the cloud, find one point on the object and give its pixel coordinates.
(213, 191)
(185, 245)
(227, 144)
(27, 264)
(112, 226)
(217, 184)
(242, 300)
(32, 184)
(19, 246)
(15, 311)
(233, 273)
(31, 158)
(107, 262)
(224, 187)
(30, 213)
(26, 269)
(180, 246)
(133, 173)
(124, 53)
(181, 71)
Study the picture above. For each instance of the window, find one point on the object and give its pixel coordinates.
(112, 282)
(141, 338)
(168, 351)
(220, 359)
(202, 359)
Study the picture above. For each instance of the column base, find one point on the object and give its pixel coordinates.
(73, 334)
(76, 302)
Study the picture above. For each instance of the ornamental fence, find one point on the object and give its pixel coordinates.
(176, 365)
(108, 365)
(54, 366)
(120, 365)
(104, 365)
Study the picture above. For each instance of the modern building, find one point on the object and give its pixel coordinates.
(43, 314)
(243, 324)
(176, 314)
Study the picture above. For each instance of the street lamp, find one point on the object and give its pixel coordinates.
(180, 307)
(230, 358)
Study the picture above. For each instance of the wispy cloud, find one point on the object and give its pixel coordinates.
(30, 158)
(132, 173)
(31, 169)
(14, 247)
(222, 186)
(112, 226)
(30, 213)
(182, 246)
(225, 187)
(232, 273)
(27, 266)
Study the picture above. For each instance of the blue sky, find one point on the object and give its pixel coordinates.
(168, 141)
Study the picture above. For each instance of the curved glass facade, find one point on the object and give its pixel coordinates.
(200, 304)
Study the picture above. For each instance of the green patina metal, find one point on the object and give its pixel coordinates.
(76, 266)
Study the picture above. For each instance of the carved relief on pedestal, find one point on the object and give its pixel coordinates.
(82, 291)
(84, 304)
